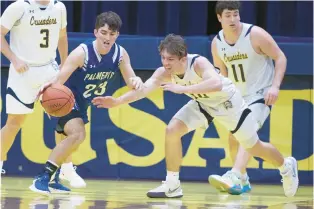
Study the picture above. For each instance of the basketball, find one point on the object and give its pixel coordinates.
(57, 100)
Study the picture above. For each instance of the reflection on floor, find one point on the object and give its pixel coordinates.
(132, 194)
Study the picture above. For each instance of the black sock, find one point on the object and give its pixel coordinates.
(50, 168)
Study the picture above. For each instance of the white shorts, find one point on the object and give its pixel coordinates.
(260, 110)
(233, 114)
(23, 88)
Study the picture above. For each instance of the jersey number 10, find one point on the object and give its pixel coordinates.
(235, 72)
(45, 32)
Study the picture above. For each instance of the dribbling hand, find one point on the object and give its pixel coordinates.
(42, 89)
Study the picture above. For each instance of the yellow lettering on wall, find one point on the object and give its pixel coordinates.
(32, 139)
(89, 154)
(281, 125)
(142, 125)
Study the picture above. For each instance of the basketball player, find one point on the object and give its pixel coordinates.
(247, 52)
(88, 71)
(213, 96)
(37, 29)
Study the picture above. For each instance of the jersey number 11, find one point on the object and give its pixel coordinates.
(235, 72)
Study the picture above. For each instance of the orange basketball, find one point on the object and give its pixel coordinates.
(57, 100)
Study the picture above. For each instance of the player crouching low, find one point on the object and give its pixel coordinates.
(99, 56)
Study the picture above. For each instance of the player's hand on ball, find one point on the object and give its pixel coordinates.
(19, 65)
(271, 95)
(105, 102)
(136, 82)
(175, 88)
(42, 89)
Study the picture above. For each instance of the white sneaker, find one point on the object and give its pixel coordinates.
(165, 191)
(229, 182)
(290, 179)
(72, 177)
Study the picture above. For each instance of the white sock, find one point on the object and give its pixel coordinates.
(236, 172)
(67, 167)
(172, 177)
(284, 167)
(1, 164)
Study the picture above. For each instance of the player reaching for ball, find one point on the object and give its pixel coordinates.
(32, 54)
(87, 71)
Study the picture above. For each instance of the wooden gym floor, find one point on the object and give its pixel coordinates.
(107, 194)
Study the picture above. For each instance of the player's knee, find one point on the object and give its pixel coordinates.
(15, 122)
(175, 129)
(171, 132)
(78, 136)
(81, 136)
(248, 142)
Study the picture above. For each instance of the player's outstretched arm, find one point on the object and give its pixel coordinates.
(218, 63)
(211, 80)
(132, 81)
(154, 82)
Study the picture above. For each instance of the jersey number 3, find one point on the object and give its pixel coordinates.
(45, 44)
(98, 89)
(235, 73)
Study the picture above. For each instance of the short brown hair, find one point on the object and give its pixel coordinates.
(110, 18)
(174, 44)
(229, 5)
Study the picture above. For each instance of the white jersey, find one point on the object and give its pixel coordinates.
(211, 99)
(250, 72)
(34, 30)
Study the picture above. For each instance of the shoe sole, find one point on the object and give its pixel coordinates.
(34, 189)
(57, 191)
(219, 185)
(223, 187)
(163, 195)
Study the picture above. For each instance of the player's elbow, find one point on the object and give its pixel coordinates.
(281, 57)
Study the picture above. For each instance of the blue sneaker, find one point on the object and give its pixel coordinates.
(229, 182)
(246, 186)
(56, 187)
(40, 184)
